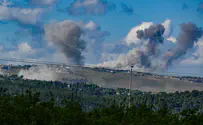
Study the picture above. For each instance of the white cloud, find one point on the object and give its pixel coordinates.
(93, 31)
(21, 15)
(5, 2)
(94, 7)
(172, 39)
(92, 26)
(43, 2)
(25, 51)
(25, 48)
(131, 38)
(168, 28)
(94, 37)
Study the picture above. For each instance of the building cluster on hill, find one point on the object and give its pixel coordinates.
(193, 79)
(12, 69)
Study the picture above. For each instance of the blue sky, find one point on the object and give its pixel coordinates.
(22, 33)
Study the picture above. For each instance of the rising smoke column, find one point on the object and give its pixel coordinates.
(66, 35)
(190, 34)
(138, 57)
(142, 55)
(154, 35)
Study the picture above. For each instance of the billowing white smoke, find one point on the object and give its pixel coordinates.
(39, 73)
(131, 38)
(145, 38)
(131, 58)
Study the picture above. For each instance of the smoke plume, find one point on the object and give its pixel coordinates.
(67, 36)
(190, 33)
(39, 73)
(154, 35)
(141, 56)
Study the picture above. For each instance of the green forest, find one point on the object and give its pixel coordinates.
(27, 109)
(91, 96)
(33, 102)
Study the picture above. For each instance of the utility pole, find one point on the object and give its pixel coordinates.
(130, 86)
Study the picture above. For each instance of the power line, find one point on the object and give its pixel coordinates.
(130, 86)
(35, 62)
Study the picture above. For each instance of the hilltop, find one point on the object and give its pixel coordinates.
(107, 78)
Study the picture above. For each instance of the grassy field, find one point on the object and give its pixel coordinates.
(121, 80)
(143, 83)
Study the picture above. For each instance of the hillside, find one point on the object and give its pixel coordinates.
(108, 78)
(143, 83)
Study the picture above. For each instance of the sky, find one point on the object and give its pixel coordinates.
(105, 33)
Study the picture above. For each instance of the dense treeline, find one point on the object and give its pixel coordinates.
(27, 109)
(91, 96)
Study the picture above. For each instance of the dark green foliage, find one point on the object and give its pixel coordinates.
(56, 103)
(27, 109)
(93, 96)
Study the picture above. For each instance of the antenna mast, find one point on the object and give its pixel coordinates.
(130, 86)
